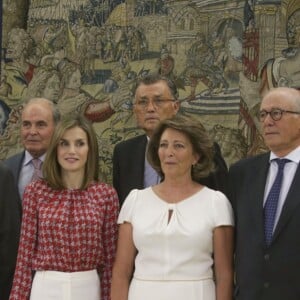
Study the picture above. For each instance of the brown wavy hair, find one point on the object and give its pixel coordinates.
(198, 137)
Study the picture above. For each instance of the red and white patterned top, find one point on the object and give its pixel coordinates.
(67, 231)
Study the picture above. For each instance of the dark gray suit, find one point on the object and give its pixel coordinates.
(10, 219)
(263, 273)
(14, 163)
(129, 163)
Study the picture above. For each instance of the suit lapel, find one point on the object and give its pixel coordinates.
(259, 183)
(139, 151)
(19, 164)
(292, 200)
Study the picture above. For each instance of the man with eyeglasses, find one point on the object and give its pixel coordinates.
(265, 194)
(156, 99)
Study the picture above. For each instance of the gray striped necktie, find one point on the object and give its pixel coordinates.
(37, 173)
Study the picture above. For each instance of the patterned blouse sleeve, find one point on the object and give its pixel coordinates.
(109, 239)
(23, 273)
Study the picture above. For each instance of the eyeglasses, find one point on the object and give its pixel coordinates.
(143, 103)
(275, 113)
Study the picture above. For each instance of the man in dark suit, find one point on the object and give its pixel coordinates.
(267, 254)
(10, 218)
(156, 99)
(38, 120)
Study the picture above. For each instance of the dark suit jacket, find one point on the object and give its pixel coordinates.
(10, 219)
(14, 163)
(264, 273)
(129, 161)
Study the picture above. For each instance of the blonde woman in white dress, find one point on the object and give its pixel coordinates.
(176, 238)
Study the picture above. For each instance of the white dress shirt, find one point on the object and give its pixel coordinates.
(26, 172)
(288, 176)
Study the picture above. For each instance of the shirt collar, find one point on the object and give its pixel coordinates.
(293, 155)
(28, 158)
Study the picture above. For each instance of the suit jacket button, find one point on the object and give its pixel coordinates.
(266, 285)
(266, 256)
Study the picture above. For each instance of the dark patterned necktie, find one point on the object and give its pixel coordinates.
(270, 207)
(37, 173)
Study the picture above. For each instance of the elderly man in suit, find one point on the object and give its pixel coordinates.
(156, 99)
(10, 219)
(38, 120)
(265, 194)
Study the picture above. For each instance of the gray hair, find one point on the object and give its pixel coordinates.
(154, 78)
(54, 108)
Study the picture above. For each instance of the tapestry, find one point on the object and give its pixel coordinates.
(85, 55)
